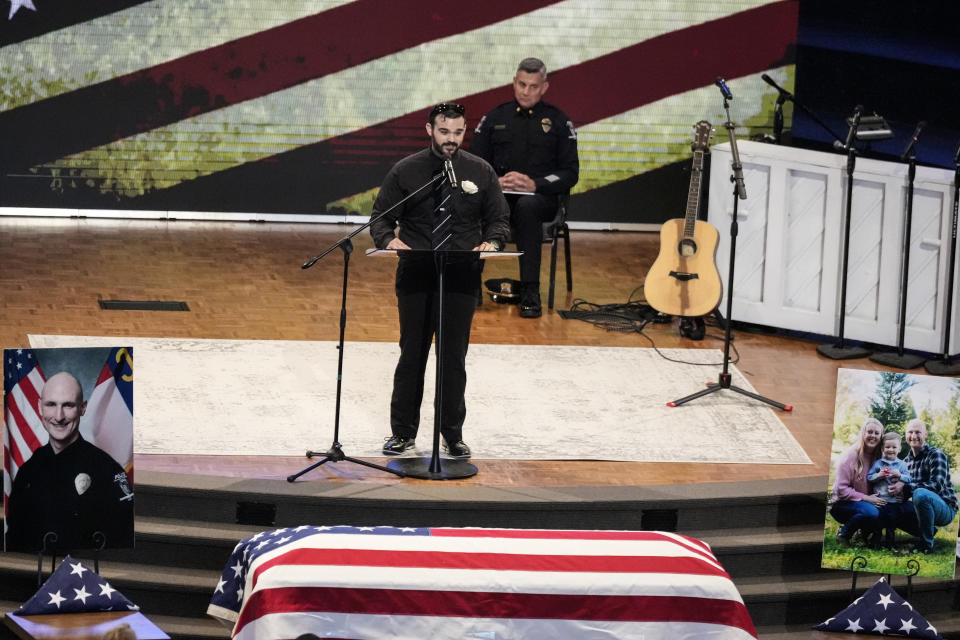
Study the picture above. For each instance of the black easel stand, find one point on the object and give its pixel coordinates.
(739, 192)
(335, 452)
(859, 562)
(840, 350)
(947, 366)
(50, 539)
(420, 466)
(900, 359)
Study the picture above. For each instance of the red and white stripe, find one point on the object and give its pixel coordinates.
(511, 583)
(23, 430)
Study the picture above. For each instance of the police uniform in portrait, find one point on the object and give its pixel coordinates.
(541, 142)
(74, 493)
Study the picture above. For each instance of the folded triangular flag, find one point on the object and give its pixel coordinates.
(73, 588)
(881, 612)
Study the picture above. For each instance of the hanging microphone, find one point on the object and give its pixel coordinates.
(451, 176)
(913, 140)
(724, 89)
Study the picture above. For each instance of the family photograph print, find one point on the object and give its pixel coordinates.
(892, 497)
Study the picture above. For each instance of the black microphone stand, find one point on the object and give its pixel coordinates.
(946, 366)
(840, 350)
(778, 110)
(900, 359)
(335, 452)
(739, 192)
(778, 118)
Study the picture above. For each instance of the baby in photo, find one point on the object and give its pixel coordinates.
(887, 471)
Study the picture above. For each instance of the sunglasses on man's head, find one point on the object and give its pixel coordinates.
(445, 107)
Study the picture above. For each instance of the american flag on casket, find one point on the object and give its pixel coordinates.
(495, 584)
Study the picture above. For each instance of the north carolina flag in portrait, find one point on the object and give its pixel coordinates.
(880, 611)
(73, 588)
(23, 432)
(109, 415)
(407, 582)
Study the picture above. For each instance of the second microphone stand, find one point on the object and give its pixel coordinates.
(901, 359)
(947, 366)
(739, 192)
(335, 452)
(841, 350)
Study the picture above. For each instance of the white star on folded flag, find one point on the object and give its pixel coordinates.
(16, 4)
(881, 611)
(93, 593)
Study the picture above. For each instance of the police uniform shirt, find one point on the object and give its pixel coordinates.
(74, 493)
(539, 142)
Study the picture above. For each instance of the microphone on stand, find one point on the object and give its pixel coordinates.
(724, 89)
(773, 84)
(852, 132)
(913, 140)
(451, 176)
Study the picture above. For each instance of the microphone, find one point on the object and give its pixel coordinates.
(913, 140)
(773, 84)
(724, 89)
(852, 132)
(451, 176)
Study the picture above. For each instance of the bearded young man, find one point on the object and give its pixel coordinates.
(471, 217)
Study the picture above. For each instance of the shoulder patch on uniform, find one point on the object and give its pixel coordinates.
(573, 132)
(123, 483)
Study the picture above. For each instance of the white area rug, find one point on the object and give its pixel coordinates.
(523, 402)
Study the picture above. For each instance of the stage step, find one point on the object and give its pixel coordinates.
(947, 625)
(768, 537)
(814, 597)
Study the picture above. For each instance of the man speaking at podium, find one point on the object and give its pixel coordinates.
(465, 211)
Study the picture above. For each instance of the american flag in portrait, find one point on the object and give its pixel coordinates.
(23, 431)
(301, 107)
(409, 582)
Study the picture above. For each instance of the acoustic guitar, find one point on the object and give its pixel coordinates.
(684, 280)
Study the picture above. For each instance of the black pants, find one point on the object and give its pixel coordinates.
(527, 215)
(417, 303)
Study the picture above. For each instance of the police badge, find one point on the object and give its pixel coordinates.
(546, 125)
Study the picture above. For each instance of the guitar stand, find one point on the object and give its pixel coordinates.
(724, 381)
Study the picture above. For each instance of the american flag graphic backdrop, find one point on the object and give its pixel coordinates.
(301, 107)
(413, 583)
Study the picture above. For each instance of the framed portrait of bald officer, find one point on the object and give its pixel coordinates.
(68, 449)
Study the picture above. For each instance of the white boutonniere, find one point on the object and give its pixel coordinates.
(468, 187)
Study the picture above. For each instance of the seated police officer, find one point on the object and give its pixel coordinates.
(532, 146)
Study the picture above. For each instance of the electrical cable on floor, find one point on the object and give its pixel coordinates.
(632, 316)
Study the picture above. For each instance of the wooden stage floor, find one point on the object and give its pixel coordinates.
(244, 281)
